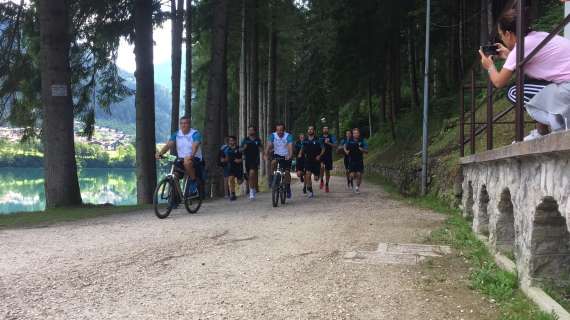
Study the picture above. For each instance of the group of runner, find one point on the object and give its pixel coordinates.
(313, 157)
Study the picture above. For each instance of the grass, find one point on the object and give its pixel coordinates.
(52, 216)
(486, 277)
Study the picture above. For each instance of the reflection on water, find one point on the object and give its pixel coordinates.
(22, 189)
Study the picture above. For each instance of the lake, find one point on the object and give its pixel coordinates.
(22, 189)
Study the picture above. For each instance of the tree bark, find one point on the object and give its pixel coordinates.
(412, 67)
(370, 105)
(216, 98)
(188, 81)
(395, 68)
(484, 25)
(272, 75)
(177, 12)
(243, 74)
(61, 182)
(252, 106)
(144, 101)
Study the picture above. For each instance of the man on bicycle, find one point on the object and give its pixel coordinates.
(281, 143)
(251, 147)
(329, 142)
(312, 152)
(189, 152)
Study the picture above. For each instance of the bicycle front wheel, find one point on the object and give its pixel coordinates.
(283, 193)
(275, 190)
(194, 202)
(163, 200)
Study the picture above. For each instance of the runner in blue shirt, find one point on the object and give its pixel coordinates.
(312, 151)
(355, 149)
(251, 147)
(299, 161)
(233, 168)
(329, 143)
(343, 142)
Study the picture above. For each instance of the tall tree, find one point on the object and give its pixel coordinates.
(188, 82)
(61, 182)
(272, 74)
(243, 73)
(252, 95)
(216, 96)
(144, 101)
(177, 18)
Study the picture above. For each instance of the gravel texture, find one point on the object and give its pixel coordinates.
(241, 260)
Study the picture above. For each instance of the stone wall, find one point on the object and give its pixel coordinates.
(519, 196)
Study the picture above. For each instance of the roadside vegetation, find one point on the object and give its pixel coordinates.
(500, 286)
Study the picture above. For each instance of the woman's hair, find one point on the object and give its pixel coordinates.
(508, 22)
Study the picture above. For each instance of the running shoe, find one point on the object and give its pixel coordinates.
(327, 190)
(311, 195)
(322, 184)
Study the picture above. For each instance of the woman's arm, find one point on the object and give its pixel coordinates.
(498, 78)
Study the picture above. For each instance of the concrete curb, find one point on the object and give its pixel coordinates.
(536, 295)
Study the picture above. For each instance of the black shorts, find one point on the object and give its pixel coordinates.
(235, 170)
(251, 165)
(198, 165)
(327, 161)
(285, 164)
(300, 164)
(346, 163)
(313, 166)
(356, 166)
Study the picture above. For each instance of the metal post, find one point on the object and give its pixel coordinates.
(472, 141)
(566, 13)
(519, 110)
(490, 115)
(426, 103)
(462, 121)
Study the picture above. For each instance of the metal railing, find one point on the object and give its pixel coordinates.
(477, 128)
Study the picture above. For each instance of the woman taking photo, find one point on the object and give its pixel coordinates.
(547, 82)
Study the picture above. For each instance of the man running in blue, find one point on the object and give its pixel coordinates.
(281, 143)
(251, 147)
(343, 142)
(329, 143)
(355, 149)
(299, 163)
(312, 152)
(233, 168)
(188, 146)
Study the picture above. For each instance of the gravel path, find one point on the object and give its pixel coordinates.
(242, 260)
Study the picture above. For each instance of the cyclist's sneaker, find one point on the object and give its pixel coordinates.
(327, 190)
(311, 195)
(357, 190)
(289, 193)
(252, 194)
(304, 189)
(233, 197)
(322, 184)
(192, 188)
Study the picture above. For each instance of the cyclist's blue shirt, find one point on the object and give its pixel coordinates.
(184, 143)
(271, 137)
(281, 144)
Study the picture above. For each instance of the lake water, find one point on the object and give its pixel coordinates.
(22, 189)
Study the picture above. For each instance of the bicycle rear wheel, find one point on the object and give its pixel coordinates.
(275, 190)
(163, 200)
(193, 203)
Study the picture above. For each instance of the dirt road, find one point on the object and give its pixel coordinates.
(242, 260)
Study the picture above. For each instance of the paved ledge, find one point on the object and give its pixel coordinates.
(552, 143)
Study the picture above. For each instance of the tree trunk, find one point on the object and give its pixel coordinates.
(395, 68)
(383, 102)
(144, 101)
(177, 12)
(188, 82)
(216, 98)
(272, 76)
(370, 106)
(262, 132)
(412, 67)
(60, 169)
(243, 74)
(460, 38)
(484, 25)
(253, 109)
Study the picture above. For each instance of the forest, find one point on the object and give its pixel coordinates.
(343, 64)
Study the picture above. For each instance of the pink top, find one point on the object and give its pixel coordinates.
(551, 63)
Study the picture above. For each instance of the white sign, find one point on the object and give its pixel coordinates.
(58, 90)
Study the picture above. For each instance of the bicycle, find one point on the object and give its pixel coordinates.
(278, 187)
(168, 193)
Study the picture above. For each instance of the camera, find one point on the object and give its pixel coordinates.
(490, 49)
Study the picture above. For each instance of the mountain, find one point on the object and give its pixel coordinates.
(122, 115)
